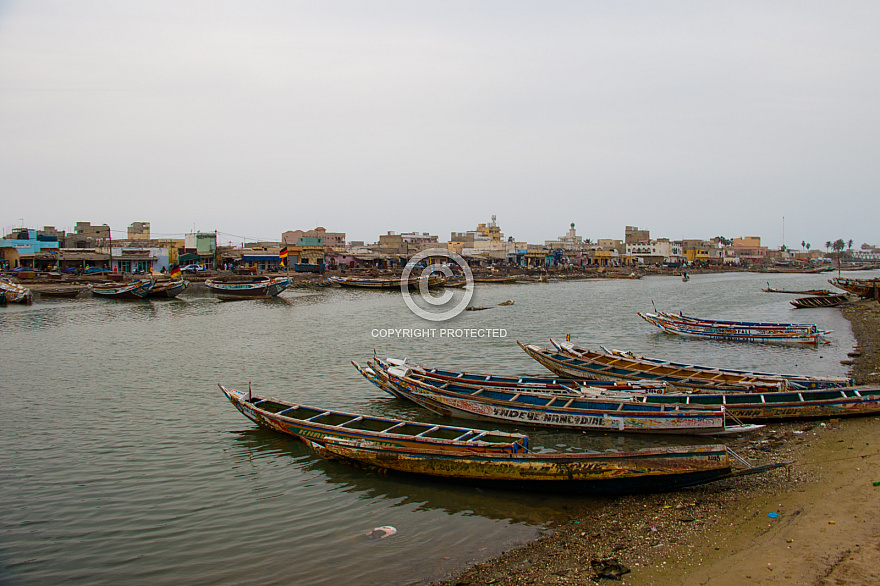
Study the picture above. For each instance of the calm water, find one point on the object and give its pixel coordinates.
(122, 462)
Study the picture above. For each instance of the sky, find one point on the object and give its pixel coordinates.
(689, 119)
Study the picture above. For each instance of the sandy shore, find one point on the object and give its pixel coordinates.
(826, 528)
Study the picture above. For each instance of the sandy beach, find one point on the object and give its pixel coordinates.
(815, 522)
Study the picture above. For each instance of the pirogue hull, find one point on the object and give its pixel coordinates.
(256, 288)
(316, 424)
(652, 470)
(568, 359)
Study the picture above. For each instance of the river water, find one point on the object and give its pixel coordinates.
(123, 463)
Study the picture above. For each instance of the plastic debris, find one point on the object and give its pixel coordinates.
(382, 532)
(877, 483)
(773, 515)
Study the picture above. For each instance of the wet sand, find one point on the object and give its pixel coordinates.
(826, 530)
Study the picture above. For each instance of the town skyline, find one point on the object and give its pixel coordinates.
(225, 238)
(368, 118)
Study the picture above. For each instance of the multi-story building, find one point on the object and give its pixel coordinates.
(661, 250)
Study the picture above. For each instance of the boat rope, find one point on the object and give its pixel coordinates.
(739, 458)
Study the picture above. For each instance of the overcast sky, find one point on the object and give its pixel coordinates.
(690, 119)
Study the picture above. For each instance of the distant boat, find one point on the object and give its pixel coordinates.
(133, 290)
(769, 289)
(385, 282)
(167, 289)
(741, 331)
(248, 288)
(15, 293)
(610, 472)
(61, 292)
(318, 424)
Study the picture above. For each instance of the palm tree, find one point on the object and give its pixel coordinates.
(838, 245)
(803, 244)
(849, 244)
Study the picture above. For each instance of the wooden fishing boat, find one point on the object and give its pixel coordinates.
(15, 293)
(648, 470)
(864, 288)
(736, 331)
(557, 411)
(826, 301)
(67, 292)
(432, 280)
(786, 405)
(769, 289)
(620, 276)
(498, 280)
(167, 289)
(567, 359)
(133, 290)
(248, 288)
(316, 424)
(550, 385)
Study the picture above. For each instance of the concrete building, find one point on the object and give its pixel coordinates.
(139, 231)
(661, 250)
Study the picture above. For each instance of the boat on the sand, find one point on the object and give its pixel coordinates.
(609, 472)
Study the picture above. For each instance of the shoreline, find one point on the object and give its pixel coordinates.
(827, 530)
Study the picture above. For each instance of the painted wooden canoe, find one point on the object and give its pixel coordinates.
(525, 383)
(824, 301)
(787, 405)
(255, 287)
(572, 360)
(736, 331)
(316, 424)
(648, 470)
(133, 290)
(167, 289)
(558, 411)
(15, 293)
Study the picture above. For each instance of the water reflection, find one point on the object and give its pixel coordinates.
(402, 491)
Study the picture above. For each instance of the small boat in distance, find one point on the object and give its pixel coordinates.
(133, 290)
(316, 424)
(648, 470)
(247, 287)
(741, 331)
(770, 289)
(433, 280)
(60, 292)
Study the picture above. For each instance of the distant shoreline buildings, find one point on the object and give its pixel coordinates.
(317, 249)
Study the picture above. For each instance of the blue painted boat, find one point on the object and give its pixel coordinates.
(566, 411)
